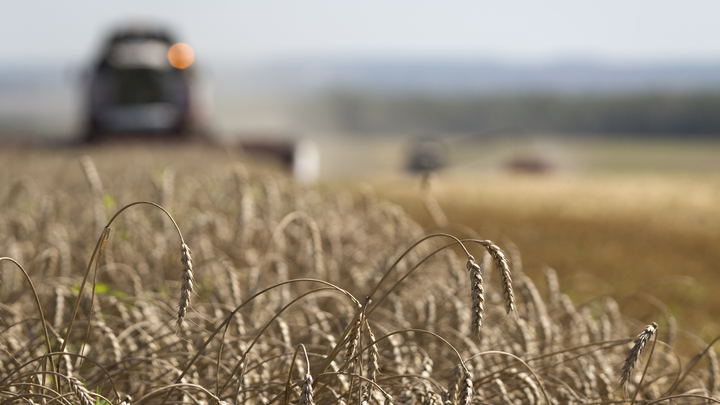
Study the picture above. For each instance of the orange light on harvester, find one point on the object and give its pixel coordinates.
(181, 55)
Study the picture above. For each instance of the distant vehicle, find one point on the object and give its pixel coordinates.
(529, 162)
(427, 154)
(143, 83)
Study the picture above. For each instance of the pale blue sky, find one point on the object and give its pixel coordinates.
(616, 31)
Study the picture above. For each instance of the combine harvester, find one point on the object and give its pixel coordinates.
(145, 86)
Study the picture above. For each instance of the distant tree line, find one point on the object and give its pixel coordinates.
(649, 114)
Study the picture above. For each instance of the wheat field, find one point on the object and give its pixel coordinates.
(182, 275)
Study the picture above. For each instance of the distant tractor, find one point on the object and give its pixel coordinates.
(143, 83)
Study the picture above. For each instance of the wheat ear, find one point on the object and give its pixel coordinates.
(306, 397)
(187, 287)
(373, 364)
(353, 342)
(466, 389)
(81, 392)
(503, 267)
(501, 263)
(59, 307)
(306, 388)
(478, 295)
(714, 371)
(454, 385)
(91, 174)
(635, 352)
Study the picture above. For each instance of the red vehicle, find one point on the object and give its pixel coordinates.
(143, 83)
